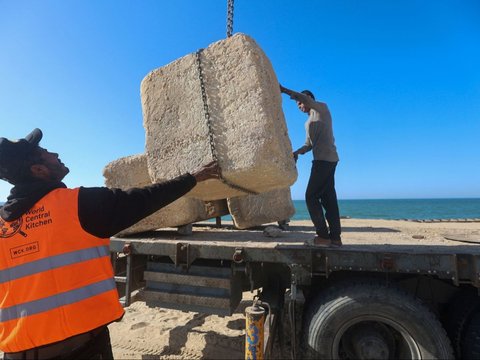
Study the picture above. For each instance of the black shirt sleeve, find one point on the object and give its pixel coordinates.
(104, 212)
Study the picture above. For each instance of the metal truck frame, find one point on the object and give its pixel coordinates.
(363, 300)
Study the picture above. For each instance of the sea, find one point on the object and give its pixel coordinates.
(397, 209)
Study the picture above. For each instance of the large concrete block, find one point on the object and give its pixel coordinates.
(247, 122)
(254, 210)
(131, 171)
(127, 172)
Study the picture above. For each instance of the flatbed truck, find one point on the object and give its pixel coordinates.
(394, 290)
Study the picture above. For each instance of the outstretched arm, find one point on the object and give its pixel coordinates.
(104, 212)
(297, 96)
(304, 99)
(285, 90)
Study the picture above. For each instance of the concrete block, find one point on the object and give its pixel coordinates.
(127, 172)
(248, 126)
(131, 171)
(216, 208)
(254, 210)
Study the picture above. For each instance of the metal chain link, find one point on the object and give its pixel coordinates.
(210, 127)
(205, 106)
(229, 18)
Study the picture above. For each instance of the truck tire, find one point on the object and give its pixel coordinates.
(471, 339)
(459, 313)
(369, 320)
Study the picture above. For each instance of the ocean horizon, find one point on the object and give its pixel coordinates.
(397, 209)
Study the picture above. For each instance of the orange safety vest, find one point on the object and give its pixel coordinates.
(56, 280)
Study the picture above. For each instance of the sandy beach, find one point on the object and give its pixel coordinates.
(155, 333)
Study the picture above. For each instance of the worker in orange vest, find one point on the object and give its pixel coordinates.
(57, 288)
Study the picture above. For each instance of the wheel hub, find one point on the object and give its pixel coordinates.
(369, 340)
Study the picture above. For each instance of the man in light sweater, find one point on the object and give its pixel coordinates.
(321, 185)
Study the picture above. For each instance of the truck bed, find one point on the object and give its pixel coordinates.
(443, 250)
(358, 235)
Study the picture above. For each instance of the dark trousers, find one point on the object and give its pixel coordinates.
(97, 346)
(321, 193)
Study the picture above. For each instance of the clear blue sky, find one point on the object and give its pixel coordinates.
(401, 78)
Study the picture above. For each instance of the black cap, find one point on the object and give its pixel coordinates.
(14, 153)
(308, 93)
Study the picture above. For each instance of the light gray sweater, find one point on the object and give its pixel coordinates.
(318, 129)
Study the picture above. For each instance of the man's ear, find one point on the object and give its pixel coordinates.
(39, 171)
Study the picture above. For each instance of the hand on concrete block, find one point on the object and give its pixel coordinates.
(206, 172)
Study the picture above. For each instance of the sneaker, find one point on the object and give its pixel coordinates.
(283, 225)
(322, 242)
(318, 241)
(336, 243)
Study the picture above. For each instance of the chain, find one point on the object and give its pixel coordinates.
(205, 106)
(210, 127)
(229, 18)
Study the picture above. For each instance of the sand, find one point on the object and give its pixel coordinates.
(154, 333)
